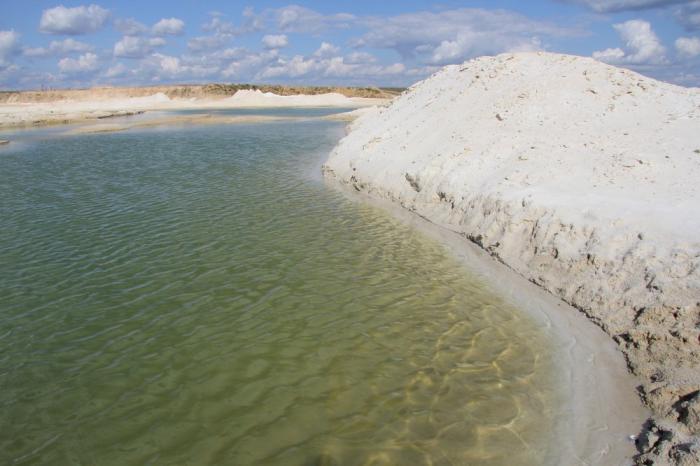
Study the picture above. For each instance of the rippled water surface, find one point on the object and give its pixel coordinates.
(196, 297)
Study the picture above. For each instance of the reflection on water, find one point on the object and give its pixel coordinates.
(194, 297)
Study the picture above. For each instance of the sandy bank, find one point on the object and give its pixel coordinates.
(579, 176)
(600, 416)
(40, 113)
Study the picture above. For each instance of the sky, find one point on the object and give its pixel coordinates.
(49, 44)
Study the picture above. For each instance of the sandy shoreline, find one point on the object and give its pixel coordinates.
(601, 418)
(61, 112)
(581, 178)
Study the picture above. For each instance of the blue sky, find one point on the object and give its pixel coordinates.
(381, 43)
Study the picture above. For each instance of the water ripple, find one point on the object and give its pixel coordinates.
(191, 297)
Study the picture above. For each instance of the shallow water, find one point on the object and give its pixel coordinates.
(196, 296)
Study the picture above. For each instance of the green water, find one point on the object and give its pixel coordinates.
(195, 296)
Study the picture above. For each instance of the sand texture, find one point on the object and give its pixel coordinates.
(581, 177)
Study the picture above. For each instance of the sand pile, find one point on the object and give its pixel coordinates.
(258, 98)
(582, 177)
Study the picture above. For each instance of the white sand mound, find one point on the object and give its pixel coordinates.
(257, 98)
(584, 178)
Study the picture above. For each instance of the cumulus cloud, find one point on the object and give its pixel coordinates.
(130, 27)
(333, 67)
(295, 18)
(9, 45)
(136, 47)
(223, 31)
(326, 50)
(275, 41)
(688, 47)
(248, 63)
(73, 21)
(160, 65)
(689, 15)
(169, 26)
(454, 35)
(83, 64)
(116, 70)
(59, 47)
(205, 43)
(641, 46)
(357, 57)
(614, 6)
(218, 25)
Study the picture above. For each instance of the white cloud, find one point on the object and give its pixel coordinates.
(130, 27)
(160, 66)
(248, 63)
(136, 47)
(222, 31)
(295, 18)
(334, 67)
(169, 26)
(641, 46)
(69, 46)
(359, 57)
(455, 35)
(116, 70)
(83, 64)
(170, 65)
(9, 45)
(59, 47)
(689, 15)
(275, 41)
(612, 6)
(78, 20)
(217, 25)
(688, 47)
(203, 43)
(326, 50)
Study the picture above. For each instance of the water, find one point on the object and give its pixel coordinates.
(196, 297)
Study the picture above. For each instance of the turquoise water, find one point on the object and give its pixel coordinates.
(197, 296)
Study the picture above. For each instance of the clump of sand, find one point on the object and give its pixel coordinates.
(580, 176)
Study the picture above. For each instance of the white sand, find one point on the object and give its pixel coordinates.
(249, 98)
(582, 177)
(16, 114)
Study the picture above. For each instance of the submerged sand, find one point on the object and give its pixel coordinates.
(579, 176)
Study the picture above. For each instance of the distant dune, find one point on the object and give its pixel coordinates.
(50, 107)
(188, 91)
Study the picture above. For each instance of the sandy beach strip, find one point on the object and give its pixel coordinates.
(23, 114)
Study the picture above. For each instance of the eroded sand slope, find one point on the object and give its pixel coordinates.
(582, 177)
